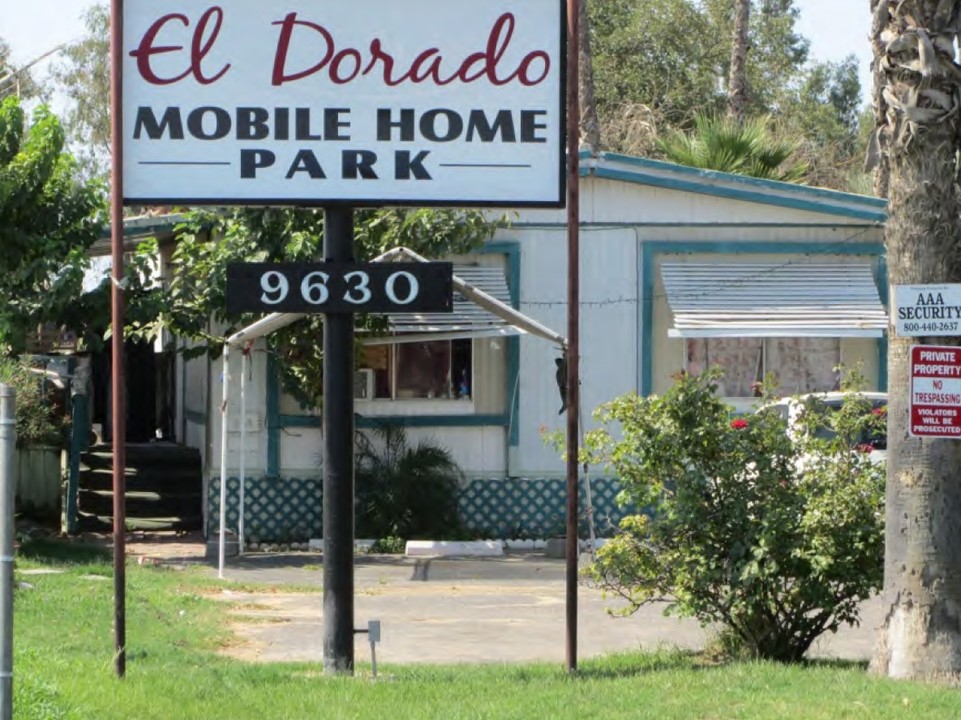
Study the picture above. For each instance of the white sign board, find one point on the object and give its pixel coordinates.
(926, 310)
(423, 102)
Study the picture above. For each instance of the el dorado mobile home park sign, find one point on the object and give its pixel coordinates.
(423, 102)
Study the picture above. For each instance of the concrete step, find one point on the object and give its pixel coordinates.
(142, 503)
(104, 523)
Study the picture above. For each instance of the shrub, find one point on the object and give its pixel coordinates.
(405, 491)
(775, 538)
(40, 413)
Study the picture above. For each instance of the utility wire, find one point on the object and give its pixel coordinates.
(622, 300)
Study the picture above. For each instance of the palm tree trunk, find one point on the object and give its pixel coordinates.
(737, 79)
(877, 159)
(921, 636)
(590, 125)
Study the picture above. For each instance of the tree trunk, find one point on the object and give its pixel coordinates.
(877, 159)
(921, 636)
(737, 80)
(590, 125)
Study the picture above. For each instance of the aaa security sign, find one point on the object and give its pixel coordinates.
(927, 310)
(425, 102)
(935, 391)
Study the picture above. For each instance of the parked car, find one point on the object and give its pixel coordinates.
(791, 408)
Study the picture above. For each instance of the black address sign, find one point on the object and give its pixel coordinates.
(339, 287)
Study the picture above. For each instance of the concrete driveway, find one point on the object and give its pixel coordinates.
(445, 610)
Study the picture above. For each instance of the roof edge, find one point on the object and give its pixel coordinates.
(658, 173)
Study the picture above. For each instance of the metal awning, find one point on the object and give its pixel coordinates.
(468, 320)
(790, 299)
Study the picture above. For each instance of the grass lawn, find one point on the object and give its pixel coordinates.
(64, 669)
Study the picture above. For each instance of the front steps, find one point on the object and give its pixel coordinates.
(164, 488)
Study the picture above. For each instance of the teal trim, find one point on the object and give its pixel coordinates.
(747, 181)
(647, 317)
(414, 421)
(274, 423)
(420, 421)
(843, 247)
(79, 441)
(196, 416)
(881, 278)
(737, 193)
(753, 225)
(162, 224)
(653, 248)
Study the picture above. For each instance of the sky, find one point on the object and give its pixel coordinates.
(835, 28)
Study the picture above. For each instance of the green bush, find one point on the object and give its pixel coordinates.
(40, 412)
(775, 538)
(405, 491)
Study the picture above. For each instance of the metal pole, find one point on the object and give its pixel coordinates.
(8, 488)
(224, 417)
(116, 306)
(243, 446)
(573, 322)
(338, 427)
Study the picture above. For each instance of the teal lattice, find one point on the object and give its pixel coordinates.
(276, 509)
(290, 509)
(535, 507)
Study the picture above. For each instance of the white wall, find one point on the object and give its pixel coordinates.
(608, 333)
(618, 217)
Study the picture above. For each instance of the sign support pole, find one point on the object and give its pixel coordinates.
(573, 323)
(338, 445)
(118, 406)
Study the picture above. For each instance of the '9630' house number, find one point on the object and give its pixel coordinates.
(339, 287)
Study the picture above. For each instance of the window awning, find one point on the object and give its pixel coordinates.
(468, 320)
(790, 299)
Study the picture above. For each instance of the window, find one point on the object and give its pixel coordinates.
(801, 365)
(439, 369)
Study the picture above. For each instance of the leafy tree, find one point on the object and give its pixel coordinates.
(85, 79)
(823, 112)
(777, 537)
(917, 130)
(48, 218)
(652, 53)
(722, 143)
(14, 80)
(737, 76)
(777, 54)
(40, 415)
(590, 123)
(654, 73)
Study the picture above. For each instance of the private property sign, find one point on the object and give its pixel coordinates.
(423, 102)
(935, 391)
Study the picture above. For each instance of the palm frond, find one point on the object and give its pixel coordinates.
(723, 144)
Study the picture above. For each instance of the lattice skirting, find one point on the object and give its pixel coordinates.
(276, 509)
(535, 508)
(289, 509)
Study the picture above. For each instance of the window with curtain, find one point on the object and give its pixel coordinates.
(800, 365)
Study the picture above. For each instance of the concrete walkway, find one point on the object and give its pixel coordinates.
(445, 610)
